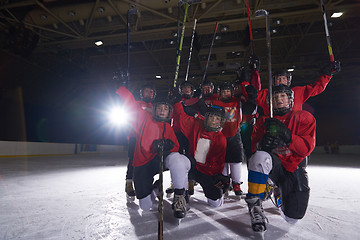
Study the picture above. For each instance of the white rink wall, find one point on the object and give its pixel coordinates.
(18, 149)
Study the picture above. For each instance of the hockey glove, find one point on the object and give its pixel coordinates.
(174, 96)
(269, 142)
(254, 63)
(276, 128)
(331, 68)
(221, 181)
(119, 79)
(161, 144)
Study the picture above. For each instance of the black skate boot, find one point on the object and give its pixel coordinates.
(179, 203)
(169, 191)
(258, 219)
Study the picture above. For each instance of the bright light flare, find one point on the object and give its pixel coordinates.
(118, 116)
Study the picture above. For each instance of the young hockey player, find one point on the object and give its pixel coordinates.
(207, 150)
(282, 143)
(207, 92)
(301, 93)
(234, 150)
(186, 94)
(152, 129)
(147, 96)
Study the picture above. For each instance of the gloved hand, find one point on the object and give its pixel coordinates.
(174, 95)
(269, 142)
(254, 63)
(331, 68)
(221, 181)
(119, 79)
(202, 106)
(166, 145)
(276, 128)
(190, 110)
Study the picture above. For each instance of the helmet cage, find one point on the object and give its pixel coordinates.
(217, 111)
(183, 84)
(283, 73)
(290, 94)
(147, 100)
(155, 115)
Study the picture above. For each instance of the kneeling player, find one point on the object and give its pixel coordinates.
(153, 129)
(282, 144)
(207, 151)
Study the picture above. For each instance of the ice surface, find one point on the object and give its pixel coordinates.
(82, 197)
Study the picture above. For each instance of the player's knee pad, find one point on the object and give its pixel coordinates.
(177, 161)
(260, 161)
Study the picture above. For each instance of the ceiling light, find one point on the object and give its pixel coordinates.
(274, 31)
(172, 42)
(99, 43)
(224, 28)
(291, 69)
(217, 37)
(158, 76)
(101, 10)
(71, 13)
(337, 14)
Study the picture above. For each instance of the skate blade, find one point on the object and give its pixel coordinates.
(261, 235)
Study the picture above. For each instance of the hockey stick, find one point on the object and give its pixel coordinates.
(180, 46)
(250, 29)
(332, 59)
(161, 191)
(131, 12)
(261, 13)
(211, 46)
(191, 47)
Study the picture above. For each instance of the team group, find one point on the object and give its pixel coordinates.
(202, 137)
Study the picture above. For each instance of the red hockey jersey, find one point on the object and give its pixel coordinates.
(147, 130)
(233, 116)
(208, 148)
(303, 127)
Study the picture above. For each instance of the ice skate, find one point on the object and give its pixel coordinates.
(169, 191)
(237, 190)
(179, 203)
(258, 219)
(129, 189)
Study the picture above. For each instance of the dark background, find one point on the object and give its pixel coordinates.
(56, 87)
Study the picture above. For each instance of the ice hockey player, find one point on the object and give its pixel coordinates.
(301, 93)
(147, 96)
(281, 144)
(151, 130)
(186, 95)
(207, 149)
(234, 150)
(207, 92)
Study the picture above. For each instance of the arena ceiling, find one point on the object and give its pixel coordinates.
(44, 42)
